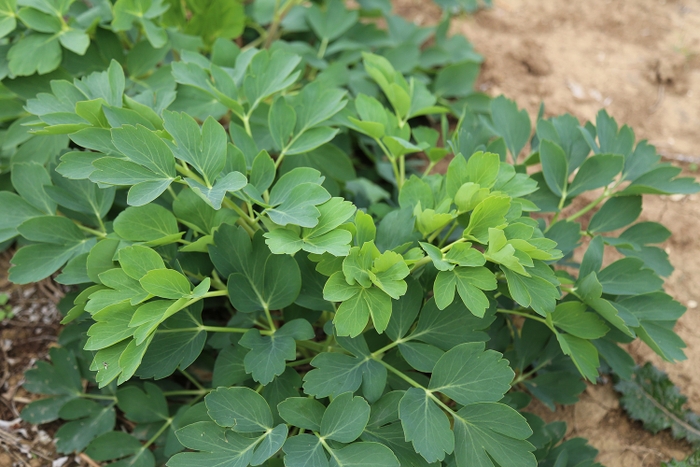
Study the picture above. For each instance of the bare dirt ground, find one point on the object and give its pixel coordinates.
(639, 59)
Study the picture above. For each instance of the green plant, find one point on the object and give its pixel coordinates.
(294, 261)
(5, 308)
(652, 398)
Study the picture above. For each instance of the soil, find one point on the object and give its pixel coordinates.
(640, 60)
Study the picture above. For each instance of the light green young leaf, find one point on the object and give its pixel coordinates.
(488, 214)
(145, 223)
(572, 318)
(469, 282)
(166, 283)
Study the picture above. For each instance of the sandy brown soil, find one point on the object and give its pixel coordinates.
(25, 338)
(639, 60)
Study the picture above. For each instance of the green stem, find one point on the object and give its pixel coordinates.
(402, 170)
(386, 348)
(155, 437)
(187, 392)
(523, 314)
(99, 397)
(96, 233)
(191, 379)
(322, 49)
(447, 235)
(415, 384)
(589, 206)
(430, 167)
(444, 249)
(234, 330)
(270, 322)
(522, 377)
(300, 362)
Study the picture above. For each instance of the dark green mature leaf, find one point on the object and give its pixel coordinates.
(257, 279)
(489, 432)
(88, 421)
(511, 124)
(468, 374)
(268, 354)
(345, 418)
(425, 425)
(616, 213)
(652, 398)
(240, 408)
(554, 166)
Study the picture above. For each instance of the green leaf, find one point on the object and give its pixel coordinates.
(364, 455)
(554, 166)
(145, 223)
(488, 214)
(35, 262)
(539, 291)
(468, 374)
(583, 354)
(469, 282)
(29, 179)
(336, 373)
(175, 349)
(214, 19)
(490, 433)
(628, 276)
(251, 287)
(449, 327)
(425, 425)
(60, 377)
(302, 412)
(616, 213)
(44, 50)
(353, 314)
(7, 17)
(331, 22)
(572, 318)
(215, 194)
(282, 120)
(299, 206)
(88, 421)
(511, 124)
(345, 418)
(325, 237)
(595, 172)
(304, 450)
(240, 408)
(268, 354)
(145, 148)
(143, 406)
(652, 398)
(13, 212)
(137, 260)
(269, 73)
(204, 149)
(51, 229)
(217, 446)
(113, 445)
(166, 283)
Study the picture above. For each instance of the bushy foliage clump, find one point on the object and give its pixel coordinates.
(271, 269)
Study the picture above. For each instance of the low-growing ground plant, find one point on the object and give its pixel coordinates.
(269, 268)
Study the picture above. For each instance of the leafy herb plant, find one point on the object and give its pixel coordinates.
(271, 270)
